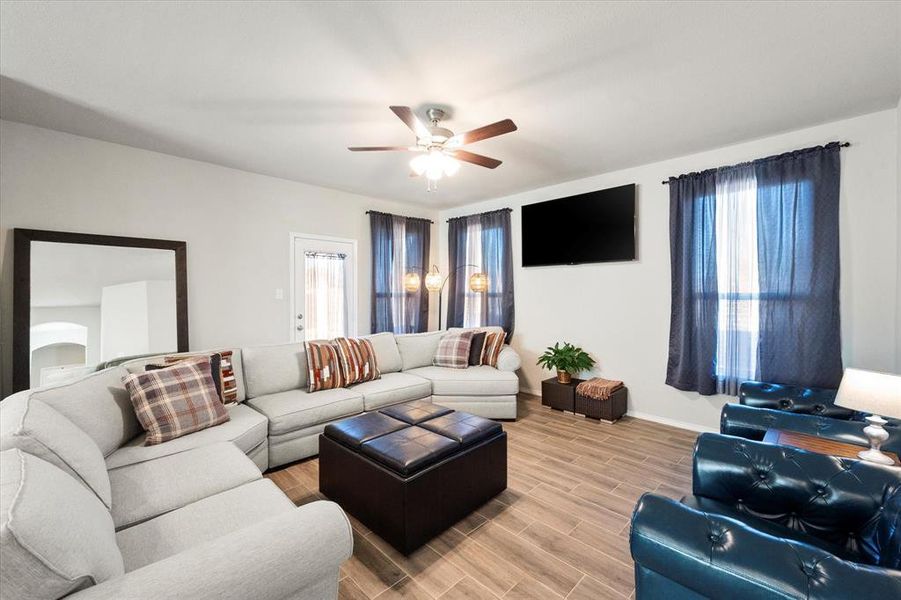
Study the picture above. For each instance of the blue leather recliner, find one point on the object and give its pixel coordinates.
(767, 521)
(812, 411)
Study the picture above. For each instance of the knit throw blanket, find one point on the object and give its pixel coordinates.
(598, 388)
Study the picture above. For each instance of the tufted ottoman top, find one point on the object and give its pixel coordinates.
(410, 437)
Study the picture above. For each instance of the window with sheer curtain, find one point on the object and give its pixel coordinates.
(755, 274)
(326, 310)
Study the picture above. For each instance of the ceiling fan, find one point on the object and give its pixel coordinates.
(439, 149)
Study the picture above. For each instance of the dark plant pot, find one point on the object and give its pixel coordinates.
(564, 377)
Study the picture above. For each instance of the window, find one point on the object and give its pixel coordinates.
(324, 291)
(738, 279)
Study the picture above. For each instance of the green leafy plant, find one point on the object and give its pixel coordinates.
(569, 358)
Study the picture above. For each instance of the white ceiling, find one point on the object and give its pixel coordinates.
(75, 274)
(283, 88)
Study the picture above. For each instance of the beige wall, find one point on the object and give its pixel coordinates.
(236, 224)
(620, 311)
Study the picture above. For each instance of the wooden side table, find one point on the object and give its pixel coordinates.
(559, 396)
(818, 444)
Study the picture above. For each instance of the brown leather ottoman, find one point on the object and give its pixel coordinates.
(410, 471)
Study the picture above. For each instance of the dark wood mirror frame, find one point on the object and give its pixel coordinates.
(22, 239)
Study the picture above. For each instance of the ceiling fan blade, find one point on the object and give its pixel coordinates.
(482, 133)
(405, 114)
(380, 148)
(476, 159)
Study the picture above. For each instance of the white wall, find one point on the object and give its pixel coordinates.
(88, 316)
(898, 288)
(620, 311)
(236, 225)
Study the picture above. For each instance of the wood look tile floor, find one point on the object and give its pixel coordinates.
(559, 530)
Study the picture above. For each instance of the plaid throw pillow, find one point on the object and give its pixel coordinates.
(324, 366)
(358, 362)
(223, 373)
(175, 401)
(494, 343)
(453, 350)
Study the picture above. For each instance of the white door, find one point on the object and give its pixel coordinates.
(323, 298)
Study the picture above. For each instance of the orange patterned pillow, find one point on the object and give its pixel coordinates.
(357, 358)
(324, 366)
(494, 343)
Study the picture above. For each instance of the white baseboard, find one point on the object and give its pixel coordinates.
(651, 417)
(673, 422)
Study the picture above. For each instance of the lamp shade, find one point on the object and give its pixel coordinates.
(433, 281)
(870, 392)
(411, 282)
(478, 282)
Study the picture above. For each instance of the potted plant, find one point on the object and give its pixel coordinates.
(566, 359)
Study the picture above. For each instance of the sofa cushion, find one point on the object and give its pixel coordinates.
(201, 522)
(391, 389)
(138, 365)
(30, 425)
(474, 381)
(145, 490)
(386, 352)
(56, 537)
(418, 349)
(175, 401)
(246, 429)
(298, 409)
(98, 404)
(273, 369)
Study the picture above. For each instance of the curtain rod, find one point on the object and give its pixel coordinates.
(487, 212)
(840, 145)
(391, 215)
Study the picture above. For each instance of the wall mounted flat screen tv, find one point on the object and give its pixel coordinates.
(589, 228)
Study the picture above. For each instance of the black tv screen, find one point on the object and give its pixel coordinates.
(588, 228)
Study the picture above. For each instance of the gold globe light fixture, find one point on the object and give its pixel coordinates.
(433, 281)
(411, 282)
(478, 282)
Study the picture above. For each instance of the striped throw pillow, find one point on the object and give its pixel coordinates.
(358, 362)
(494, 343)
(324, 366)
(453, 350)
(175, 401)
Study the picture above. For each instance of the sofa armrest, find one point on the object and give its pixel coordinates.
(752, 423)
(720, 557)
(281, 557)
(508, 359)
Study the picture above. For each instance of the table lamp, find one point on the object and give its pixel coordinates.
(876, 394)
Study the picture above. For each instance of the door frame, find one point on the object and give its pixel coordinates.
(353, 301)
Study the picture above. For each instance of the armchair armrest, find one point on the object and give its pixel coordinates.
(508, 359)
(721, 557)
(295, 554)
(838, 500)
(752, 423)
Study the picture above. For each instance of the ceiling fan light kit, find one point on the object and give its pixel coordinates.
(440, 155)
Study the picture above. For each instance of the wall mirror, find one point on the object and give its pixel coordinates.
(80, 300)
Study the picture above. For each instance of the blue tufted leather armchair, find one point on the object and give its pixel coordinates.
(812, 411)
(767, 521)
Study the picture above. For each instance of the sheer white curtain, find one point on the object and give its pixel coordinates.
(473, 310)
(738, 279)
(324, 280)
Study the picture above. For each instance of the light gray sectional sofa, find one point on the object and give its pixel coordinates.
(86, 509)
